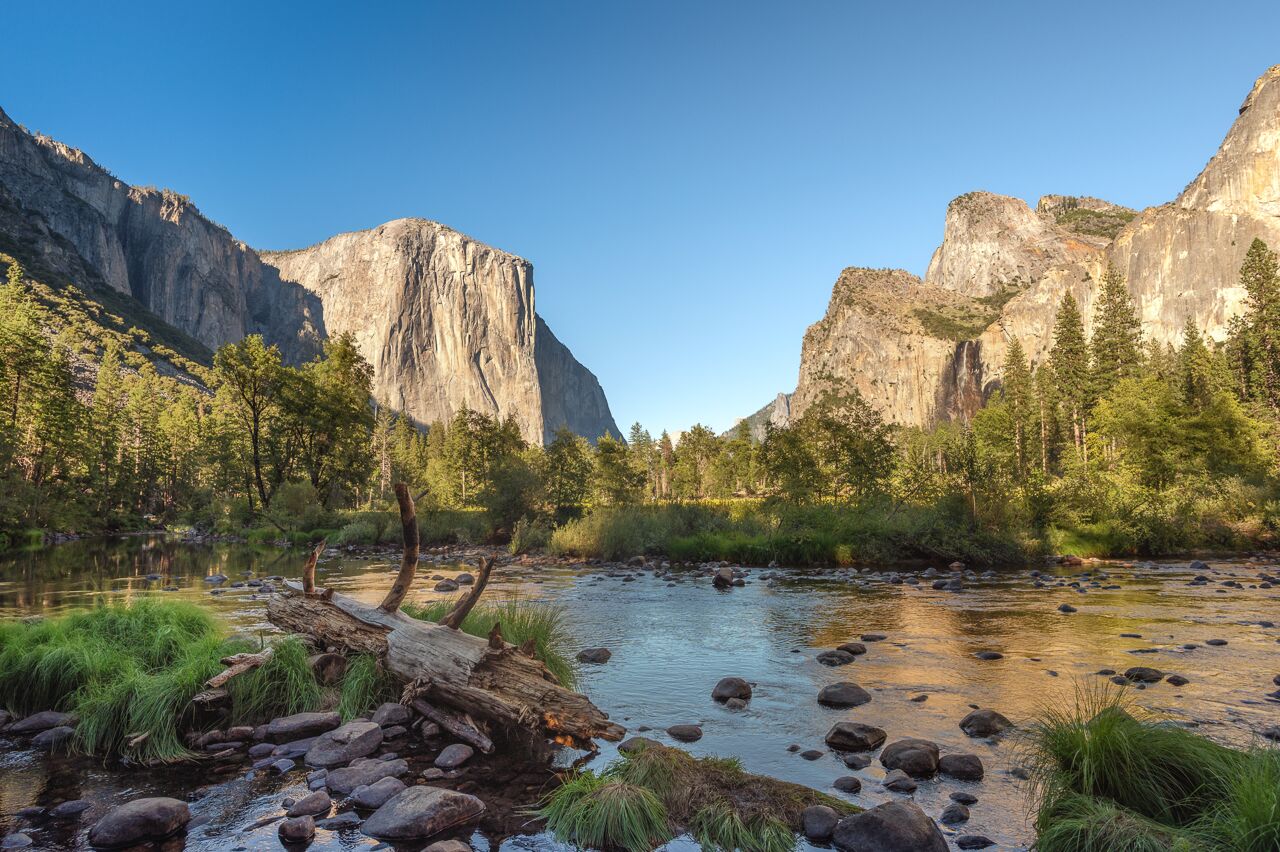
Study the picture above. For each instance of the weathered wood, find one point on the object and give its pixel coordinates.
(409, 560)
(238, 664)
(458, 728)
(458, 614)
(495, 637)
(501, 686)
(309, 570)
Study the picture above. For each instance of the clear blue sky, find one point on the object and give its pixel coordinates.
(688, 178)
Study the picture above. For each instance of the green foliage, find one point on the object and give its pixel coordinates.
(521, 621)
(128, 670)
(1108, 777)
(364, 686)
(529, 534)
(640, 800)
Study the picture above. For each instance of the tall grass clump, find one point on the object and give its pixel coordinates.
(129, 671)
(521, 621)
(1110, 777)
(649, 796)
(282, 686)
(365, 685)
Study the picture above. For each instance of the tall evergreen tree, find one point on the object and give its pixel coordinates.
(1117, 334)
(1255, 348)
(1070, 360)
(1019, 392)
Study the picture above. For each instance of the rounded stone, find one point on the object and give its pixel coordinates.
(731, 687)
(843, 694)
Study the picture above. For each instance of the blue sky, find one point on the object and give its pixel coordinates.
(688, 178)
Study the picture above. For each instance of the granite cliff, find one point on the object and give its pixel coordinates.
(933, 349)
(446, 321)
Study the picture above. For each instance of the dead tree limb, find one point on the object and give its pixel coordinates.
(458, 614)
(456, 727)
(408, 561)
(238, 664)
(309, 570)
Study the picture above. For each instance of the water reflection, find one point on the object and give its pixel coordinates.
(673, 638)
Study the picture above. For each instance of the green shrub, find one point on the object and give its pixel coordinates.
(356, 532)
(528, 535)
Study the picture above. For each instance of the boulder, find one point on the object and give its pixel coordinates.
(897, 826)
(1144, 674)
(847, 784)
(375, 795)
(843, 694)
(835, 658)
(138, 821)
(344, 744)
(966, 767)
(421, 812)
(362, 773)
(984, 723)
(723, 578)
(301, 726)
(312, 804)
(297, 830)
(390, 714)
(594, 655)
(818, 822)
(854, 736)
(454, 756)
(53, 737)
(42, 721)
(855, 648)
(918, 758)
(731, 687)
(685, 733)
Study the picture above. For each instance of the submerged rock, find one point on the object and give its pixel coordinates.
(138, 821)
(313, 804)
(594, 655)
(685, 733)
(843, 694)
(854, 736)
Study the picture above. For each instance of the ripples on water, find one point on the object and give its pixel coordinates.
(671, 643)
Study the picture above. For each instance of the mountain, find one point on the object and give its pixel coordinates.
(446, 321)
(928, 350)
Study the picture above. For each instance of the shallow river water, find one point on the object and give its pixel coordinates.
(672, 639)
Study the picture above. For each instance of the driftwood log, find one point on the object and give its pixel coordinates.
(445, 670)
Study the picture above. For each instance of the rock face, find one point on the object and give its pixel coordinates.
(928, 350)
(445, 321)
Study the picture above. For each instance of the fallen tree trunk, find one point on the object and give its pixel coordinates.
(490, 681)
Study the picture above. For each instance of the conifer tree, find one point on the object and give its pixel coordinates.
(1117, 335)
(1019, 392)
(1070, 360)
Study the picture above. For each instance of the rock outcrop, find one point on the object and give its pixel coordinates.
(445, 321)
(924, 351)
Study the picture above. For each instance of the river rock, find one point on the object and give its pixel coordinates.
(53, 738)
(70, 810)
(337, 822)
(966, 767)
(854, 736)
(843, 694)
(312, 804)
(1143, 674)
(391, 714)
(344, 744)
(954, 814)
(984, 723)
(974, 841)
(454, 756)
(723, 578)
(918, 758)
(897, 826)
(731, 687)
(375, 795)
(301, 726)
(297, 830)
(420, 812)
(451, 845)
(1066, 608)
(835, 658)
(1176, 680)
(818, 822)
(898, 781)
(685, 733)
(847, 784)
(594, 655)
(42, 721)
(855, 648)
(18, 840)
(139, 820)
(362, 773)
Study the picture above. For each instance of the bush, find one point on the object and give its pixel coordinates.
(356, 532)
(528, 535)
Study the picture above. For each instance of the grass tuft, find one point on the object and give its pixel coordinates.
(283, 685)
(364, 687)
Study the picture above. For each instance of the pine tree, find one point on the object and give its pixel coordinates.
(1195, 367)
(1117, 335)
(1070, 360)
(1019, 392)
(1258, 349)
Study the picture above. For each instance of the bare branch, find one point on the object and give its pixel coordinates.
(459, 612)
(409, 561)
(309, 570)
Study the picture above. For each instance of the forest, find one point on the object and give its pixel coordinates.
(1110, 445)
